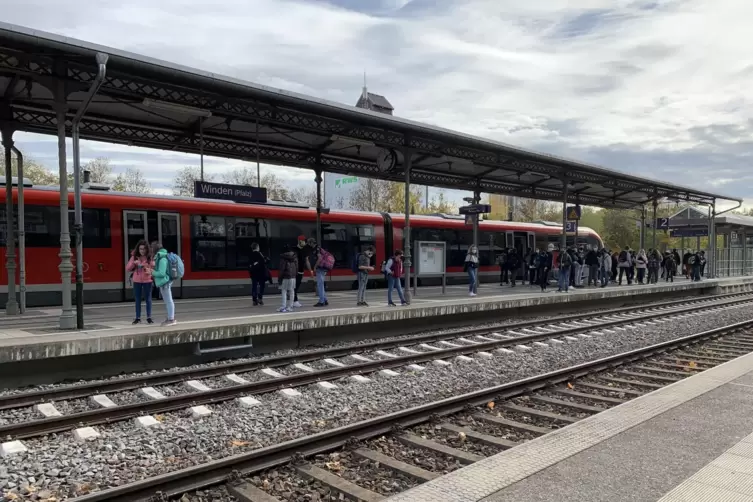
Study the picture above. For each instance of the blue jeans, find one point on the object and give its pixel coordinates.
(696, 273)
(167, 297)
(563, 282)
(143, 290)
(472, 271)
(321, 274)
(394, 283)
(257, 289)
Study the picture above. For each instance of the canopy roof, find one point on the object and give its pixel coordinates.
(151, 103)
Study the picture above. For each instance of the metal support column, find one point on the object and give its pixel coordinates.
(653, 227)
(21, 231)
(318, 180)
(78, 226)
(642, 243)
(201, 148)
(407, 164)
(258, 156)
(11, 306)
(563, 241)
(67, 319)
(745, 253)
(476, 200)
(712, 245)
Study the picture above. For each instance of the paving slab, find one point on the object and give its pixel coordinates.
(638, 451)
(36, 337)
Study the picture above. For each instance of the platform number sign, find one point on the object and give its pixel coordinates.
(571, 227)
(573, 213)
(662, 223)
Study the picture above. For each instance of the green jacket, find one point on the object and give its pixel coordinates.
(161, 273)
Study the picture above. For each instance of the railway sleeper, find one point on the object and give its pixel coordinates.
(461, 456)
(337, 484)
(409, 470)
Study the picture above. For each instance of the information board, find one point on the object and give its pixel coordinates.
(431, 258)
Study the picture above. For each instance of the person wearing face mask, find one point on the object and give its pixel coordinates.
(471, 266)
(364, 267)
(303, 251)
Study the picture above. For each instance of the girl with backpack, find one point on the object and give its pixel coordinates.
(140, 265)
(161, 275)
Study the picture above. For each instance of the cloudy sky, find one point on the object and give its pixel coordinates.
(657, 88)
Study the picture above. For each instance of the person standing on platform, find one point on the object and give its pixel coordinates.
(502, 262)
(140, 265)
(544, 266)
(259, 274)
(670, 266)
(592, 262)
(161, 274)
(324, 263)
(303, 251)
(565, 260)
(532, 263)
(703, 263)
(364, 267)
(471, 267)
(513, 263)
(605, 263)
(393, 269)
(625, 265)
(641, 264)
(288, 269)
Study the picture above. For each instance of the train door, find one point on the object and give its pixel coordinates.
(135, 228)
(169, 236)
(509, 240)
(531, 241)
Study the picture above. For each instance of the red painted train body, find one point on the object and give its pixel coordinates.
(214, 238)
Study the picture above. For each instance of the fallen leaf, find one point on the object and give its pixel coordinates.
(266, 484)
(490, 405)
(461, 436)
(692, 364)
(570, 386)
(159, 418)
(236, 442)
(333, 466)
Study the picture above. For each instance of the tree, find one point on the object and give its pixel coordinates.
(131, 181)
(183, 183)
(304, 195)
(620, 229)
(371, 195)
(533, 210)
(439, 204)
(99, 169)
(35, 172)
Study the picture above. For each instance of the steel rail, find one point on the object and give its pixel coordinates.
(218, 471)
(107, 415)
(118, 385)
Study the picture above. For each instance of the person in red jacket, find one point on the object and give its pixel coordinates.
(140, 266)
(394, 271)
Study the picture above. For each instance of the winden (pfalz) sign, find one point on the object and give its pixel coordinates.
(236, 193)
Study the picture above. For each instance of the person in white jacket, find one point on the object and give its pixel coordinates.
(605, 267)
(641, 264)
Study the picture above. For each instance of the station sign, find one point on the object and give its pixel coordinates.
(662, 223)
(689, 232)
(571, 227)
(236, 193)
(573, 213)
(476, 209)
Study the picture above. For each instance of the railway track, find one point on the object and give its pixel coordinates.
(266, 375)
(450, 433)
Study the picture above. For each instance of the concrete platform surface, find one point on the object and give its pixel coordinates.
(636, 452)
(35, 336)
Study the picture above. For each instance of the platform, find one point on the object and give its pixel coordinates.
(689, 442)
(35, 336)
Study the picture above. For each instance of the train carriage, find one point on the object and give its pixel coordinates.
(214, 238)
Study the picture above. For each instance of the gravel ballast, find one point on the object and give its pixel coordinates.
(126, 453)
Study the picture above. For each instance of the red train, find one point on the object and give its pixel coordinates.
(214, 239)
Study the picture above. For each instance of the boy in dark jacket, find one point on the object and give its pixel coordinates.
(288, 271)
(257, 269)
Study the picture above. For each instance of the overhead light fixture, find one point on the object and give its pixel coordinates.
(175, 108)
(352, 141)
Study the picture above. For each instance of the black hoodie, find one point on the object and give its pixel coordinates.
(288, 265)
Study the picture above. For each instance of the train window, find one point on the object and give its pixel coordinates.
(42, 226)
(208, 243)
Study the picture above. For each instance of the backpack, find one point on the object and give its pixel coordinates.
(623, 257)
(383, 267)
(327, 260)
(536, 263)
(354, 265)
(175, 267)
(691, 260)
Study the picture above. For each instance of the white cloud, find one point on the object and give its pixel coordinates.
(653, 87)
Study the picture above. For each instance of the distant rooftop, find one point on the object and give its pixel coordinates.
(374, 102)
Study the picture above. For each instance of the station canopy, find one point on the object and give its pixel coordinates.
(155, 104)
